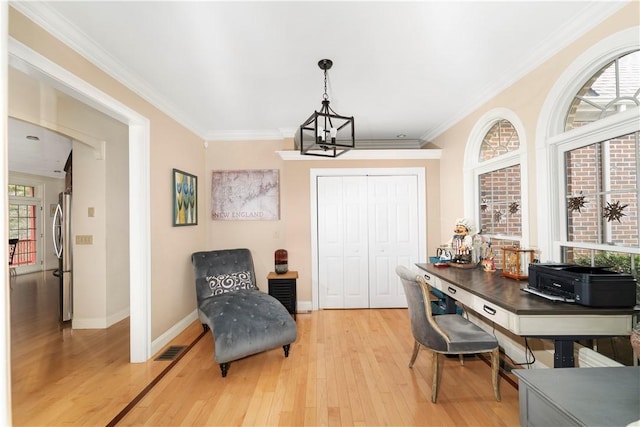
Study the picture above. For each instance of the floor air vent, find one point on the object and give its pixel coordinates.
(171, 353)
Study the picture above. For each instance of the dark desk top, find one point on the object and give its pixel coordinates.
(508, 294)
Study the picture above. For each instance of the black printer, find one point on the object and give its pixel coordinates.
(588, 286)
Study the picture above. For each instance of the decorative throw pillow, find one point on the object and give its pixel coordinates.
(223, 283)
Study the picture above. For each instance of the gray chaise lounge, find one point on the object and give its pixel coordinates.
(242, 319)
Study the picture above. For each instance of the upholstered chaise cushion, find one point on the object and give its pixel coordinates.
(245, 322)
(221, 262)
(242, 319)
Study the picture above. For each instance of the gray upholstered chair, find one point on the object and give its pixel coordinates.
(243, 320)
(444, 333)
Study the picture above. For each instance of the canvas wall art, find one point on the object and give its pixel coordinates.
(245, 195)
(185, 198)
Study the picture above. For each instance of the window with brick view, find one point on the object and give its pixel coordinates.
(500, 196)
(602, 175)
(601, 178)
(502, 138)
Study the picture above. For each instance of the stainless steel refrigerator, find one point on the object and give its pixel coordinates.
(62, 247)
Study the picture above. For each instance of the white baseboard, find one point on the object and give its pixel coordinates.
(116, 317)
(588, 358)
(164, 339)
(99, 322)
(304, 306)
(89, 323)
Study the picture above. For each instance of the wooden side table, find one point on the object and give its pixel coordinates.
(283, 288)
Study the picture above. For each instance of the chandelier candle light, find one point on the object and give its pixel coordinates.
(326, 133)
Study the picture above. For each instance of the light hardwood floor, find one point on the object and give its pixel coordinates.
(348, 367)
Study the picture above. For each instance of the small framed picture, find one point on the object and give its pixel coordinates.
(185, 198)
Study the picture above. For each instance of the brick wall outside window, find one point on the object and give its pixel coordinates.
(603, 173)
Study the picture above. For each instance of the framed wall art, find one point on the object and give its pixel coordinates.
(245, 195)
(185, 198)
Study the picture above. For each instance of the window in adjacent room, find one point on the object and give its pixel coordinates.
(22, 223)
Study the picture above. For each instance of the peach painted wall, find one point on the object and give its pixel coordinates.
(293, 231)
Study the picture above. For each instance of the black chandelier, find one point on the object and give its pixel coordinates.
(326, 133)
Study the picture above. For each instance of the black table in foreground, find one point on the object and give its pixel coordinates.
(502, 301)
(579, 397)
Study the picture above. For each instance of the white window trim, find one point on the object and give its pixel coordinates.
(473, 167)
(550, 134)
(37, 201)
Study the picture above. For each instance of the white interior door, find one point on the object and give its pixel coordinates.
(393, 236)
(367, 225)
(342, 242)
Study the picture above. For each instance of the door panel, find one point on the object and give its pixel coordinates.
(394, 238)
(367, 225)
(342, 245)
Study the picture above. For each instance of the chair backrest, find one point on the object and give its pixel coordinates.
(13, 244)
(423, 327)
(223, 262)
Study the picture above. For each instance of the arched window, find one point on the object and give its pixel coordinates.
(494, 166)
(612, 89)
(501, 139)
(589, 194)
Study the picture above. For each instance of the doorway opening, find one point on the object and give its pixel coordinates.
(42, 69)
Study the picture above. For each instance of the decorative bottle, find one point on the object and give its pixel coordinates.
(281, 261)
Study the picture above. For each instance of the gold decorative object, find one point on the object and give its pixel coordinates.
(516, 262)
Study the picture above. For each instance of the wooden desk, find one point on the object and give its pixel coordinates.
(502, 301)
(580, 397)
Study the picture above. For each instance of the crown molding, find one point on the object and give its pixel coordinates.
(417, 154)
(248, 135)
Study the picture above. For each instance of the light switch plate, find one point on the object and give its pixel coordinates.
(84, 239)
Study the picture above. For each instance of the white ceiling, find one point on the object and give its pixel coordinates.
(248, 70)
(45, 156)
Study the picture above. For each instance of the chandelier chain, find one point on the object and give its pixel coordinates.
(325, 96)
